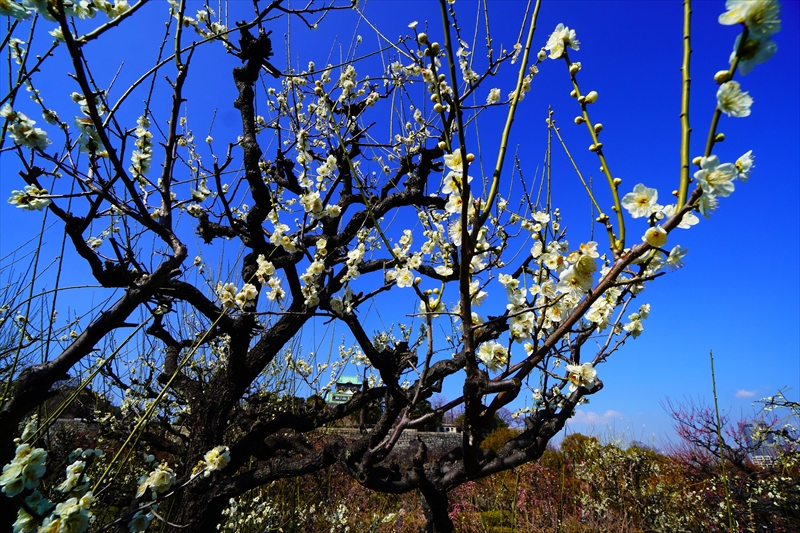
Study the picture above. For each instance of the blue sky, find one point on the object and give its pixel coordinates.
(738, 293)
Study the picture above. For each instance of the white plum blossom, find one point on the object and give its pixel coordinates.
(404, 278)
(247, 296)
(24, 471)
(159, 481)
(443, 270)
(141, 158)
(755, 52)
(68, 517)
(493, 97)
(312, 203)
(744, 165)
(689, 219)
(714, 178)
(760, 16)
(140, 521)
(508, 282)
(585, 266)
(635, 326)
(561, 37)
(600, 310)
(217, 458)
(22, 131)
(581, 376)
(265, 269)
(675, 259)
(707, 205)
(74, 474)
(589, 249)
(39, 505)
(572, 281)
(227, 294)
(276, 291)
(29, 198)
(732, 101)
(641, 202)
(12, 9)
(433, 305)
(541, 217)
(493, 354)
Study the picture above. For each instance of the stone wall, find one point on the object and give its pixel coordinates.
(437, 442)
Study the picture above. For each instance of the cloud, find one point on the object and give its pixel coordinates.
(742, 393)
(593, 419)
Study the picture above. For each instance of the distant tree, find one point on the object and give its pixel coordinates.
(201, 267)
(762, 458)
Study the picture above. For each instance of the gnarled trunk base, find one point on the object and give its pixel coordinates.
(435, 505)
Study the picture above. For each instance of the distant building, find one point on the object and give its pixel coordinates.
(343, 390)
(761, 442)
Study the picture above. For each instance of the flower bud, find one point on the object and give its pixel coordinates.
(582, 100)
(435, 97)
(719, 137)
(417, 280)
(470, 158)
(438, 108)
(592, 147)
(422, 38)
(441, 77)
(697, 160)
(318, 91)
(617, 182)
(436, 290)
(579, 120)
(674, 193)
(603, 218)
(542, 55)
(435, 48)
(722, 76)
(655, 237)
(591, 97)
(442, 145)
(573, 69)
(573, 93)
(598, 128)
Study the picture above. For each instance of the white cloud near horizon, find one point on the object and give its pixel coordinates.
(744, 393)
(594, 419)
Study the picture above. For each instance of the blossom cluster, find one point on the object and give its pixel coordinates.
(762, 20)
(158, 481)
(581, 376)
(242, 299)
(214, 460)
(143, 155)
(30, 198)
(22, 129)
(83, 9)
(24, 471)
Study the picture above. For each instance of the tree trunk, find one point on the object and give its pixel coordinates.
(201, 510)
(435, 505)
